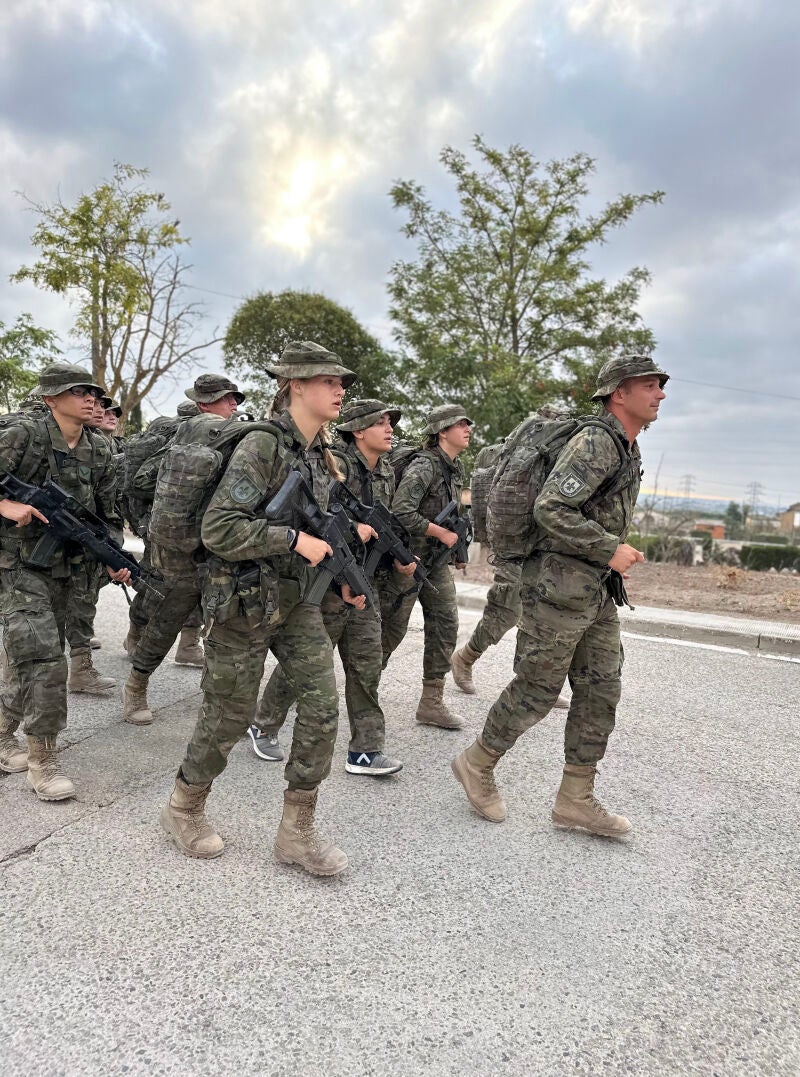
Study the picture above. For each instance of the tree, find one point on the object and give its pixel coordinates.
(734, 519)
(499, 310)
(114, 253)
(22, 346)
(265, 323)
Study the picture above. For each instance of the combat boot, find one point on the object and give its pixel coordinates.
(474, 768)
(95, 643)
(83, 677)
(190, 652)
(135, 708)
(43, 774)
(13, 757)
(432, 709)
(184, 819)
(461, 664)
(131, 641)
(576, 805)
(562, 703)
(298, 842)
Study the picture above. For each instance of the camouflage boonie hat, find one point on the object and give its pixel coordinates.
(629, 365)
(59, 377)
(111, 405)
(443, 416)
(360, 414)
(187, 408)
(305, 359)
(209, 388)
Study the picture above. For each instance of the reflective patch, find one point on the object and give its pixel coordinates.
(571, 485)
(244, 490)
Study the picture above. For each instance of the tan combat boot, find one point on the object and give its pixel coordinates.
(95, 643)
(13, 757)
(134, 699)
(43, 775)
(184, 819)
(83, 677)
(298, 842)
(474, 768)
(562, 703)
(190, 651)
(432, 709)
(130, 642)
(576, 805)
(461, 664)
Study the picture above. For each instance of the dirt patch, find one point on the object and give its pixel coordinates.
(768, 596)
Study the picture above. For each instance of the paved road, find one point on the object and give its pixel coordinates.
(452, 946)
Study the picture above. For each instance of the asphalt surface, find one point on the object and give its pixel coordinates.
(452, 945)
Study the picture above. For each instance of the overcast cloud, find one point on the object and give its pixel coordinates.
(277, 128)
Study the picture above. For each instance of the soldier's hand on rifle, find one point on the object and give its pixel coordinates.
(462, 565)
(624, 557)
(448, 538)
(359, 601)
(19, 513)
(365, 532)
(122, 575)
(406, 570)
(312, 549)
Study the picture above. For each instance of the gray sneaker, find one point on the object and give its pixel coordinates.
(265, 745)
(374, 763)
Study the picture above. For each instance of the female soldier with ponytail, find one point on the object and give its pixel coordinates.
(253, 600)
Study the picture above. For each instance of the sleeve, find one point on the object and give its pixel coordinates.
(105, 491)
(584, 464)
(13, 442)
(409, 495)
(230, 528)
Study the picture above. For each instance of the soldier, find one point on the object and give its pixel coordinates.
(364, 437)
(432, 479)
(217, 398)
(253, 598)
(569, 621)
(33, 601)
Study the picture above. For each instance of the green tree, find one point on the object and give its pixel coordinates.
(23, 346)
(734, 518)
(265, 323)
(114, 254)
(499, 309)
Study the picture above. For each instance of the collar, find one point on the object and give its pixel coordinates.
(57, 439)
(285, 419)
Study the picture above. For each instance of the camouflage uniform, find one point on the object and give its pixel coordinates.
(430, 482)
(357, 633)
(33, 602)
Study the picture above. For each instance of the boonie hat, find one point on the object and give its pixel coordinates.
(443, 416)
(360, 414)
(628, 365)
(305, 359)
(59, 377)
(111, 405)
(187, 408)
(209, 388)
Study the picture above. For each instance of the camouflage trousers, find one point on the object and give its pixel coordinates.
(145, 602)
(82, 605)
(168, 616)
(440, 613)
(503, 606)
(357, 634)
(235, 655)
(33, 615)
(569, 627)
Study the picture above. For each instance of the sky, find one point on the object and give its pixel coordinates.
(277, 127)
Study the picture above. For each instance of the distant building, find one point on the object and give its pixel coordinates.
(711, 527)
(789, 520)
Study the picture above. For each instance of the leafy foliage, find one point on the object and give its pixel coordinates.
(499, 310)
(23, 346)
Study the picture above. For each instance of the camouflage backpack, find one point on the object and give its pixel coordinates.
(479, 486)
(190, 471)
(400, 456)
(527, 458)
(140, 448)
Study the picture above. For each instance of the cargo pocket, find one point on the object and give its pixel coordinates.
(569, 584)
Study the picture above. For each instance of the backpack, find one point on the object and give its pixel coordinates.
(400, 457)
(139, 448)
(528, 456)
(479, 486)
(190, 471)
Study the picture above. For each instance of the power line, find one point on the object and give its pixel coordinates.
(736, 389)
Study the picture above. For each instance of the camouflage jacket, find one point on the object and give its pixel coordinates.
(366, 483)
(575, 523)
(33, 448)
(431, 481)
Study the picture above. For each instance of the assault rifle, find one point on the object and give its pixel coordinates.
(615, 585)
(69, 522)
(296, 498)
(452, 520)
(389, 539)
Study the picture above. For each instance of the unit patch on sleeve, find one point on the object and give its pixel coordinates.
(571, 485)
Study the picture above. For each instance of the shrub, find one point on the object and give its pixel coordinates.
(763, 558)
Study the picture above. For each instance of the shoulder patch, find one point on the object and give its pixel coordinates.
(244, 491)
(571, 485)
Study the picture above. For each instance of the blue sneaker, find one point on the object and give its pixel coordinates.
(375, 763)
(265, 745)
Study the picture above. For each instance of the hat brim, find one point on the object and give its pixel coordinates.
(212, 398)
(611, 387)
(64, 387)
(445, 424)
(364, 422)
(304, 371)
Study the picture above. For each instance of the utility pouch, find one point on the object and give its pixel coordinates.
(249, 590)
(44, 552)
